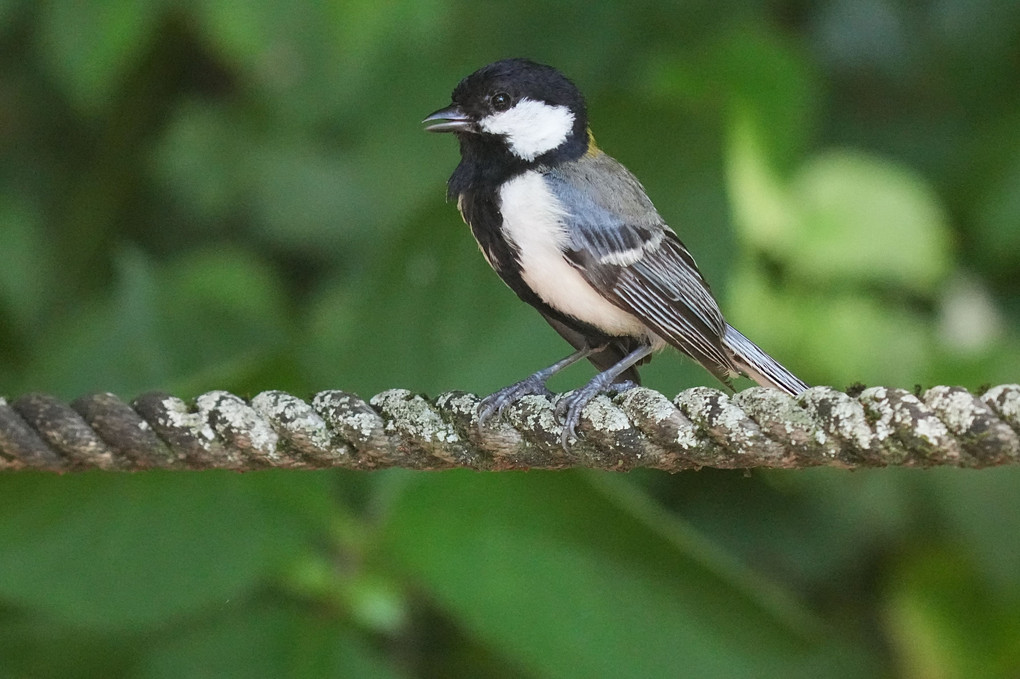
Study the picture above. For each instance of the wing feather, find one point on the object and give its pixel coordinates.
(622, 247)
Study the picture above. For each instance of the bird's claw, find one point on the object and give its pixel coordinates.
(568, 412)
(570, 407)
(496, 403)
(620, 387)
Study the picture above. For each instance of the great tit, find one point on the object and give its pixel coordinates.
(572, 232)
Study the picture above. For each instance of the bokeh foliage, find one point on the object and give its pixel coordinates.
(231, 195)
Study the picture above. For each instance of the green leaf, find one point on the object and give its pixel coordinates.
(27, 644)
(107, 344)
(264, 640)
(567, 579)
(26, 267)
(112, 552)
(854, 336)
(868, 219)
(756, 69)
(989, 536)
(944, 621)
(844, 217)
(90, 47)
(200, 161)
(207, 318)
(997, 226)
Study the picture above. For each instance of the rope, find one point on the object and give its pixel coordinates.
(701, 427)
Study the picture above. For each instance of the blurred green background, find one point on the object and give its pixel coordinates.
(238, 195)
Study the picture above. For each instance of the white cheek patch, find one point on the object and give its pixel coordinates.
(531, 127)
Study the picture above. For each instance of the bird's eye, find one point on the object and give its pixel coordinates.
(500, 101)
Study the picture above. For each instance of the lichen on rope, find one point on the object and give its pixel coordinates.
(701, 427)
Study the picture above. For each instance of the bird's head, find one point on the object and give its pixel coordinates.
(532, 112)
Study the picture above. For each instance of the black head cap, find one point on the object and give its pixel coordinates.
(546, 119)
(519, 78)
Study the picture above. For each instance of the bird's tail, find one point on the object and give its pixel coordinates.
(759, 366)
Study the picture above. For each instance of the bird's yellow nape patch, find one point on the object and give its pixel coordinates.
(593, 148)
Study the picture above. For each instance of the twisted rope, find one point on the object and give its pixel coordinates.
(638, 428)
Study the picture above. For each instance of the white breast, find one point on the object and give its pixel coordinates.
(532, 222)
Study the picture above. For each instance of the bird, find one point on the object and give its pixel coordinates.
(574, 234)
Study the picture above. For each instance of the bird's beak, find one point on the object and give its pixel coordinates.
(450, 119)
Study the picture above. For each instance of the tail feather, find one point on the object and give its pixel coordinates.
(759, 366)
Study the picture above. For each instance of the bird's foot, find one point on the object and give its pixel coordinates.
(496, 403)
(620, 387)
(569, 408)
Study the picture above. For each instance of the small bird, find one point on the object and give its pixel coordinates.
(572, 232)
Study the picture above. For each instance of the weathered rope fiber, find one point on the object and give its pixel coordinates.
(701, 427)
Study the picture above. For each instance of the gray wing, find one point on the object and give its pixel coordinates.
(620, 244)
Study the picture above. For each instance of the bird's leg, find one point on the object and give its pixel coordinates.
(569, 408)
(496, 403)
